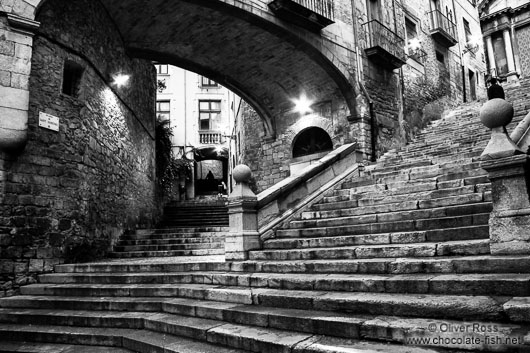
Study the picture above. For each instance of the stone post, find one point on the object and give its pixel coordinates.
(507, 166)
(243, 217)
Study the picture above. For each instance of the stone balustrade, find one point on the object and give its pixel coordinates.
(507, 166)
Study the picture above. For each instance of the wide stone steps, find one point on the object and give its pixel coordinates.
(269, 340)
(437, 235)
(168, 247)
(427, 249)
(386, 227)
(42, 347)
(452, 264)
(120, 340)
(195, 319)
(171, 241)
(420, 305)
(481, 284)
(161, 253)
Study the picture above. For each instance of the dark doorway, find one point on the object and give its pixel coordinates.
(310, 141)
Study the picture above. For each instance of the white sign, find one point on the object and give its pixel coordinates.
(48, 121)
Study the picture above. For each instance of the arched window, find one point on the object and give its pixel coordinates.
(310, 141)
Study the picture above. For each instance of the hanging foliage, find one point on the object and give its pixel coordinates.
(168, 168)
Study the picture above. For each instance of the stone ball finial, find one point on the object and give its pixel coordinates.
(241, 173)
(496, 113)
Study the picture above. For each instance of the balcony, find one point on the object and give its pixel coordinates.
(383, 46)
(208, 137)
(443, 30)
(310, 14)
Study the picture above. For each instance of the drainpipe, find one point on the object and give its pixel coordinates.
(372, 121)
(373, 129)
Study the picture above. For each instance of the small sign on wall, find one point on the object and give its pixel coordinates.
(48, 121)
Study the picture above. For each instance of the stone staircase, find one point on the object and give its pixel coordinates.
(192, 228)
(395, 260)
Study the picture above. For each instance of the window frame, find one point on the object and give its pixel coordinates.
(210, 111)
(208, 83)
(159, 70)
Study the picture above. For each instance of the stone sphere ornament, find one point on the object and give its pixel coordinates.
(241, 173)
(496, 113)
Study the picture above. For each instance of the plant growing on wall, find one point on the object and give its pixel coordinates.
(168, 168)
(420, 97)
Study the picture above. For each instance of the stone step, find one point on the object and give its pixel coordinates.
(456, 264)
(142, 341)
(173, 235)
(168, 247)
(396, 211)
(374, 303)
(427, 249)
(40, 347)
(482, 284)
(162, 253)
(386, 227)
(377, 328)
(452, 264)
(170, 241)
(165, 230)
(451, 234)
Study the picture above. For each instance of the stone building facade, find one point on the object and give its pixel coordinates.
(506, 30)
(432, 58)
(82, 183)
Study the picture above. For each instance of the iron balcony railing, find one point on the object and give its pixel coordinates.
(440, 22)
(379, 35)
(419, 55)
(325, 8)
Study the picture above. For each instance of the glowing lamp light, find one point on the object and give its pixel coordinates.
(474, 40)
(414, 44)
(302, 105)
(121, 80)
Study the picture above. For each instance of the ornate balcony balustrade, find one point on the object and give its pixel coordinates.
(443, 30)
(208, 137)
(310, 14)
(383, 46)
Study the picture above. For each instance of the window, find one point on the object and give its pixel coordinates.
(208, 110)
(374, 10)
(467, 31)
(162, 109)
(411, 29)
(162, 69)
(72, 73)
(206, 82)
(440, 57)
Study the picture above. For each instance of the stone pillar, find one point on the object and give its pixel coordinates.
(507, 168)
(509, 54)
(16, 41)
(243, 217)
(491, 55)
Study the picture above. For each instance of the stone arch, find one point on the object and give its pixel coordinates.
(311, 141)
(305, 123)
(327, 60)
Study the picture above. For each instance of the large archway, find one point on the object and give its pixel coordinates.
(242, 46)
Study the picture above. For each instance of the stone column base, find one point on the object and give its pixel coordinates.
(237, 245)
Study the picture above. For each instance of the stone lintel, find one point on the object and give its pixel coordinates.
(22, 24)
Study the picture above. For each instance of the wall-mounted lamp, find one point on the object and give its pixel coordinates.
(120, 79)
(473, 44)
(302, 105)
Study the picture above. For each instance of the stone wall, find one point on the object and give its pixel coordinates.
(92, 180)
(269, 159)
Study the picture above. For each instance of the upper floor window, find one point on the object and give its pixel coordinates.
(162, 69)
(467, 30)
(162, 109)
(206, 82)
(208, 110)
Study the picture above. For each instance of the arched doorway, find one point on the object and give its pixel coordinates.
(211, 171)
(310, 141)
